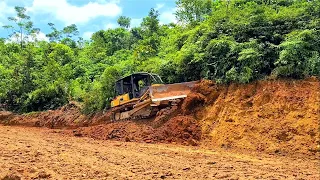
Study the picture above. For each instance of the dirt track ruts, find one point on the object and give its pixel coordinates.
(45, 153)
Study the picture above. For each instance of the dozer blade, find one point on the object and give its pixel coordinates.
(171, 91)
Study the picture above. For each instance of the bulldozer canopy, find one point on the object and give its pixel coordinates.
(135, 83)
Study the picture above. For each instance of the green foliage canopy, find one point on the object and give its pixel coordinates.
(225, 41)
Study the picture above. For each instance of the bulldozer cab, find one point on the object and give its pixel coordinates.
(135, 85)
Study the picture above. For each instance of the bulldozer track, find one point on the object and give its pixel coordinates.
(129, 105)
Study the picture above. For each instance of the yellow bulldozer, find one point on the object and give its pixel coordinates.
(141, 95)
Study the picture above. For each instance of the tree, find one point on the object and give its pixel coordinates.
(124, 21)
(61, 54)
(70, 31)
(110, 41)
(55, 35)
(150, 36)
(23, 29)
(193, 11)
(150, 24)
(67, 33)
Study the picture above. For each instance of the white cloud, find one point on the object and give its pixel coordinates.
(159, 6)
(30, 38)
(111, 26)
(87, 35)
(42, 37)
(136, 22)
(5, 10)
(168, 17)
(71, 14)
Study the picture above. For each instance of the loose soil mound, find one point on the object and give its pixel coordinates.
(272, 116)
(181, 129)
(68, 116)
(192, 103)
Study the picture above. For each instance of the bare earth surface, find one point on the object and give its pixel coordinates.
(34, 153)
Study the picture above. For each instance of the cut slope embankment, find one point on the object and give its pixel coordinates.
(279, 116)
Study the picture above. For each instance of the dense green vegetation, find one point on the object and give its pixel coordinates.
(226, 41)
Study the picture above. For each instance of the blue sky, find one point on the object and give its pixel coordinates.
(89, 15)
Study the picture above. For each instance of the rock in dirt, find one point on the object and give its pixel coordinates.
(5, 115)
(211, 163)
(43, 175)
(11, 177)
(77, 134)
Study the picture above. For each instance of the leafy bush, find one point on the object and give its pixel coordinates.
(94, 100)
(50, 97)
(299, 56)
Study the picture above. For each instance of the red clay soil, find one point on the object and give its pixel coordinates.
(181, 130)
(40, 153)
(192, 103)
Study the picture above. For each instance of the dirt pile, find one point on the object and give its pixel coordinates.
(181, 129)
(68, 116)
(279, 116)
(125, 131)
(192, 103)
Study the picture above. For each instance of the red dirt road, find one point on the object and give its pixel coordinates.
(34, 153)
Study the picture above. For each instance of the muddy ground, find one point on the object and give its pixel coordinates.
(40, 153)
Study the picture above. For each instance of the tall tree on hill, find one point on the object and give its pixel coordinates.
(23, 29)
(150, 24)
(150, 32)
(55, 35)
(70, 32)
